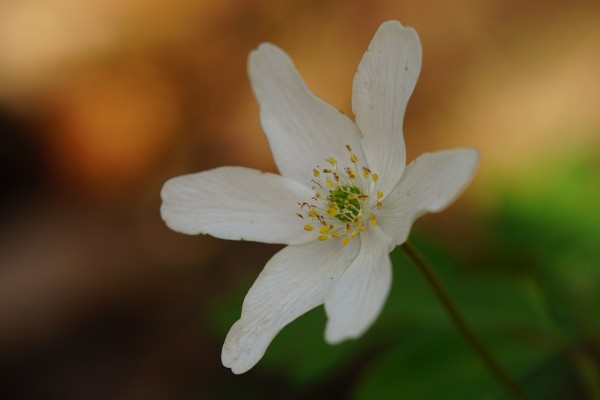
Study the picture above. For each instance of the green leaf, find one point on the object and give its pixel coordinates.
(438, 364)
(490, 302)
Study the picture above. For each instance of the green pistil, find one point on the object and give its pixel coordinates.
(344, 198)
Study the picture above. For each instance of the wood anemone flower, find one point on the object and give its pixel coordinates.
(343, 200)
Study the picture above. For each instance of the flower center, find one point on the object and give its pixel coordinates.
(344, 200)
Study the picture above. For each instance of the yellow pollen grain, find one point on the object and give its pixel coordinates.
(331, 160)
(335, 234)
(373, 222)
(345, 240)
(379, 204)
(361, 228)
(375, 177)
(324, 230)
(323, 238)
(379, 194)
(329, 183)
(371, 216)
(316, 173)
(308, 228)
(353, 158)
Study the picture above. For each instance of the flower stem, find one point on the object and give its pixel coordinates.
(461, 323)
(588, 371)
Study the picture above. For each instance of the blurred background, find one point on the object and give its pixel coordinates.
(102, 101)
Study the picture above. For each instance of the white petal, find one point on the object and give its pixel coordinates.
(236, 203)
(429, 184)
(357, 298)
(293, 282)
(386, 77)
(303, 130)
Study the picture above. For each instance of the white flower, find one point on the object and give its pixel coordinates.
(343, 201)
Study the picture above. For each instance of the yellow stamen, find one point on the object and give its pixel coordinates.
(345, 240)
(379, 194)
(335, 234)
(323, 238)
(373, 222)
(353, 158)
(375, 177)
(324, 230)
(331, 160)
(316, 173)
(308, 228)
(329, 183)
(361, 228)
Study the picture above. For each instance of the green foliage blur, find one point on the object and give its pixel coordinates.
(530, 286)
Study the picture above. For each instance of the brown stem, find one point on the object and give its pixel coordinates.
(461, 323)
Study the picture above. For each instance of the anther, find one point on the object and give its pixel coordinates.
(308, 228)
(323, 238)
(379, 194)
